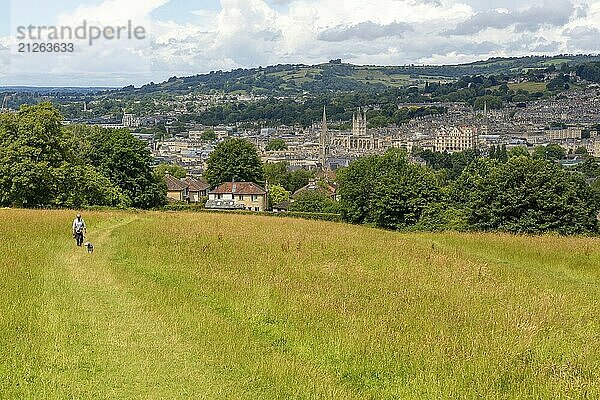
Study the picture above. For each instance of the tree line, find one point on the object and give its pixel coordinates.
(336, 76)
(383, 111)
(510, 191)
(44, 164)
(384, 103)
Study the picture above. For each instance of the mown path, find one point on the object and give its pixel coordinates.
(104, 336)
(178, 305)
(107, 343)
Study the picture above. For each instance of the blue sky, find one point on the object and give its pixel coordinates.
(36, 12)
(4, 17)
(185, 37)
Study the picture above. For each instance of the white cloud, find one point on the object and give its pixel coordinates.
(113, 12)
(552, 13)
(248, 33)
(583, 38)
(364, 31)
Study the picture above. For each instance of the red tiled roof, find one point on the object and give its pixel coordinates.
(241, 188)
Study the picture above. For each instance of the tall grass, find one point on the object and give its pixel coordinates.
(183, 305)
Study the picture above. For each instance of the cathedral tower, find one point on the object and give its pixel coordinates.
(359, 123)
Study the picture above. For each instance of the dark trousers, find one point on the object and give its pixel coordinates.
(79, 238)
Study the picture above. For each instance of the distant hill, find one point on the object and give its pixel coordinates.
(336, 76)
(51, 90)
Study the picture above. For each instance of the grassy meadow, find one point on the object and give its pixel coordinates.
(531, 87)
(180, 305)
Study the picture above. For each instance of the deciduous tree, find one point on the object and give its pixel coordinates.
(174, 170)
(525, 195)
(278, 194)
(234, 160)
(276, 145)
(386, 190)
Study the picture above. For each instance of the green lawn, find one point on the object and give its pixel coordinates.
(177, 305)
(376, 75)
(531, 87)
(557, 61)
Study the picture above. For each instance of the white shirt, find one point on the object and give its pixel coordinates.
(78, 225)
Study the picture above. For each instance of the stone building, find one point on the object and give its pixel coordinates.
(458, 138)
(359, 123)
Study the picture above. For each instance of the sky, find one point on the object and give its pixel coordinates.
(188, 37)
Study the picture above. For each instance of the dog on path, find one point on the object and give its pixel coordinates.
(89, 247)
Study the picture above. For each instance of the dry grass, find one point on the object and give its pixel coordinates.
(177, 305)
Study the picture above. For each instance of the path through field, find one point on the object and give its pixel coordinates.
(106, 341)
(209, 306)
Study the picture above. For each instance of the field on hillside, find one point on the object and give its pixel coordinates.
(531, 87)
(176, 305)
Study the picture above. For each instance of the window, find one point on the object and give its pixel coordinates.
(257, 209)
(241, 198)
(254, 197)
(219, 196)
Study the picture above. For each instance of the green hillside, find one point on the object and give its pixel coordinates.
(336, 76)
(177, 305)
